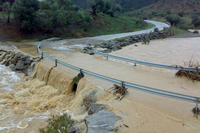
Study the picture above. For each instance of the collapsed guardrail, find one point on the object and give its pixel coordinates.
(123, 83)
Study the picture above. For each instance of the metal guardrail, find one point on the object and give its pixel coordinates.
(175, 67)
(119, 82)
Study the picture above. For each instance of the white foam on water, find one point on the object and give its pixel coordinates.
(78, 46)
(8, 79)
(4, 128)
(24, 123)
(63, 47)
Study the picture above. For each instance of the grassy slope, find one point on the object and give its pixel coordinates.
(117, 25)
(176, 30)
(160, 19)
(3, 15)
(172, 5)
(109, 26)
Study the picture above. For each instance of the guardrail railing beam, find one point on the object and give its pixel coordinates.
(123, 83)
(174, 67)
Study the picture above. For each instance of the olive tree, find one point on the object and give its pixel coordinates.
(104, 6)
(6, 4)
(25, 12)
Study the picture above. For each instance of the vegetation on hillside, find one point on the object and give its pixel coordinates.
(61, 18)
(127, 5)
(104, 6)
(182, 14)
(58, 124)
(175, 6)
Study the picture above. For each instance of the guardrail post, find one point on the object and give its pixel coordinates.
(107, 56)
(197, 103)
(56, 62)
(81, 71)
(122, 84)
(41, 55)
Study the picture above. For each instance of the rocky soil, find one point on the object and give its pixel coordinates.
(109, 46)
(18, 62)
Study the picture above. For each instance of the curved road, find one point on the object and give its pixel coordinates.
(153, 106)
(158, 25)
(97, 39)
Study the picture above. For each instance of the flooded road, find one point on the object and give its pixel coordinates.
(28, 107)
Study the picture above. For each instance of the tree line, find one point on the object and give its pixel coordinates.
(51, 14)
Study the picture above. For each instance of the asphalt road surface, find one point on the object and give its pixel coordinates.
(102, 38)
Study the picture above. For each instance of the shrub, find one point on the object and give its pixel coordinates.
(58, 124)
(165, 28)
(185, 23)
(196, 21)
(25, 12)
(196, 31)
(156, 30)
(173, 19)
(168, 12)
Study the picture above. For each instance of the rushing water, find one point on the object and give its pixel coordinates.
(8, 119)
(8, 79)
(25, 103)
(25, 106)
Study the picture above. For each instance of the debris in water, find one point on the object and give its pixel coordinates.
(196, 111)
(193, 75)
(120, 90)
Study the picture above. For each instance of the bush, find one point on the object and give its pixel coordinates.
(196, 21)
(156, 30)
(168, 12)
(173, 19)
(165, 28)
(58, 124)
(185, 23)
(196, 31)
(25, 12)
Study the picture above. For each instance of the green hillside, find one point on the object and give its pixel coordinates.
(173, 6)
(151, 5)
(127, 5)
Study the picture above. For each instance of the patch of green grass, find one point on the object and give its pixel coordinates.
(160, 19)
(28, 39)
(114, 25)
(178, 31)
(2, 15)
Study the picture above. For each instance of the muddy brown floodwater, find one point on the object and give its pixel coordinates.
(142, 112)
